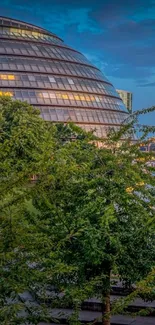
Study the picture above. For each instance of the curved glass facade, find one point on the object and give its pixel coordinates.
(36, 66)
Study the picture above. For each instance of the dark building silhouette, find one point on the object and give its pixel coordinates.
(36, 66)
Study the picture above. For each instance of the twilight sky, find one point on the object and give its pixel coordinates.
(118, 36)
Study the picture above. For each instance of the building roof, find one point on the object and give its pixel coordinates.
(9, 22)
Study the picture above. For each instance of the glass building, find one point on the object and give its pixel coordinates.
(36, 66)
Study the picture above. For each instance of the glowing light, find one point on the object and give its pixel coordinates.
(11, 77)
(64, 96)
(6, 93)
(82, 97)
(76, 96)
(7, 77)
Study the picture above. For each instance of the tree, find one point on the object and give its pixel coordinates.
(88, 215)
(27, 145)
(99, 212)
(25, 150)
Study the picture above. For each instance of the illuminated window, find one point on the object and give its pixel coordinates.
(87, 98)
(92, 98)
(52, 95)
(11, 77)
(7, 77)
(64, 96)
(82, 97)
(58, 95)
(6, 93)
(76, 97)
(3, 76)
(27, 33)
(71, 97)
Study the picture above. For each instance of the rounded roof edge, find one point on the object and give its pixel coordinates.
(19, 23)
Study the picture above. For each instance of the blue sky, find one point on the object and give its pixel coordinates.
(117, 35)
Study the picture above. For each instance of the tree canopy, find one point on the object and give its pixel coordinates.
(88, 216)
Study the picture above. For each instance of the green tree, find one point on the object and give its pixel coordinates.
(88, 216)
(99, 212)
(25, 149)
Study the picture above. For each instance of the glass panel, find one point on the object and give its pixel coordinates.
(71, 82)
(52, 79)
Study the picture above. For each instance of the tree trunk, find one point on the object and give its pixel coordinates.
(106, 309)
(106, 300)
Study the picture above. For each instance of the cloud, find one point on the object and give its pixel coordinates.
(151, 84)
(56, 15)
(76, 16)
(112, 12)
(128, 49)
(131, 32)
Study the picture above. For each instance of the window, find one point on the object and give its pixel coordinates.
(34, 47)
(3, 76)
(24, 78)
(100, 85)
(64, 96)
(7, 77)
(52, 79)
(71, 97)
(87, 98)
(76, 97)
(52, 96)
(6, 93)
(45, 95)
(11, 77)
(31, 78)
(32, 94)
(71, 82)
(82, 97)
(26, 94)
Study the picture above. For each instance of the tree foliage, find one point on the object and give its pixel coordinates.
(25, 149)
(88, 216)
(101, 203)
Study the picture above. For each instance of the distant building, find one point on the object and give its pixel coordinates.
(150, 147)
(126, 97)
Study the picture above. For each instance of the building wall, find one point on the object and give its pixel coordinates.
(126, 96)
